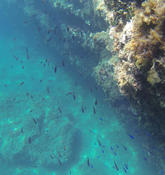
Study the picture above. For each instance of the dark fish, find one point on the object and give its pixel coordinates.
(67, 29)
(16, 58)
(81, 34)
(21, 83)
(59, 109)
(94, 110)
(125, 170)
(69, 93)
(82, 109)
(59, 161)
(40, 81)
(73, 38)
(115, 153)
(22, 130)
(111, 148)
(25, 22)
(131, 136)
(38, 28)
(99, 143)
(51, 156)
(55, 69)
(95, 102)
(34, 15)
(91, 90)
(22, 67)
(63, 63)
(27, 94)
(125, 148)
(126, 166)
(145, 158)
(64, 40)
(27, 54)
(48, 90)
(59, 154)
(49, 31)
(74, 97)
(116, 167)
(49, 39)
(29, 140)
(35, 121)
(55, 30)
(88, 162)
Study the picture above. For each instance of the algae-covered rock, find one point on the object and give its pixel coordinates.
(153, 77)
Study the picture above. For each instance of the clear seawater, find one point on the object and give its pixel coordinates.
(47, 121)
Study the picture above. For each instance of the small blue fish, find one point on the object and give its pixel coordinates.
(162, 172)
(131, 136)
(145, 158)
(101, 119)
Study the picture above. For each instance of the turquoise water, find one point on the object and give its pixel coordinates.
(53, 122)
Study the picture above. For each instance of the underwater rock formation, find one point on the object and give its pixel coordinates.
(139, 42)
(140, 69)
